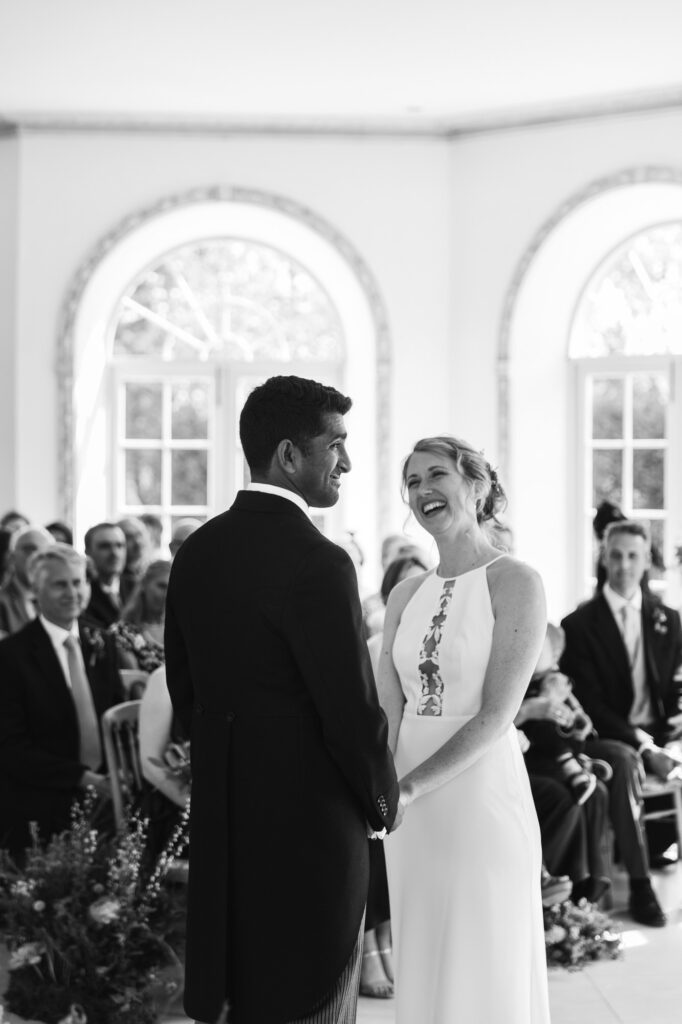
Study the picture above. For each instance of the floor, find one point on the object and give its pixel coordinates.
(645, 987)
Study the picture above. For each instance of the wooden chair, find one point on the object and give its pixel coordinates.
(653, 786)
(122, 753)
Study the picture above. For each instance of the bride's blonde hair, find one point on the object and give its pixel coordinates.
(473, 466)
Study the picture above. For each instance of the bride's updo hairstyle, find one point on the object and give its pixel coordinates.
(473, 466)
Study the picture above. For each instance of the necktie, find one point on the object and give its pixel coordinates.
(630, 632)
(90, 746)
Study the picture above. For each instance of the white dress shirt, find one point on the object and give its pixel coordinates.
(641, 712)
(281, 492)
(58, 635)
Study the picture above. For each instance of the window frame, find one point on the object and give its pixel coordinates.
(585, 369)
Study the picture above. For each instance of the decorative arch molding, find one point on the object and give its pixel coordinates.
(539, 421)
(622, 179)
(265, 201)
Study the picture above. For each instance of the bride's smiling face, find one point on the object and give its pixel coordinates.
(439, 496)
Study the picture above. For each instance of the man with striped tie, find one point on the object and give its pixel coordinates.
(56, 679)
(623, 653)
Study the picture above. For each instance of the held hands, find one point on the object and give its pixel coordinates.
(404, 799)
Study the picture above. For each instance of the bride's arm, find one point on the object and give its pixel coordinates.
(518, 603)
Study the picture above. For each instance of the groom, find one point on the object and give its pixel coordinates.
(268, 670)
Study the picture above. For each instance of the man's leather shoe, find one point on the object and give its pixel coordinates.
(644, 907)
(591, 888)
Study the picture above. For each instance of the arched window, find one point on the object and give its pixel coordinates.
(175, 316)
(626, 341)
(191, 335)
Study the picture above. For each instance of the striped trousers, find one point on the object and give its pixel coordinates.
(340, 1006)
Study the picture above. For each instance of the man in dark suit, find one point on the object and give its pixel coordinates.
(624, 652)
(268, 669)
(105, 546)
(55, 683)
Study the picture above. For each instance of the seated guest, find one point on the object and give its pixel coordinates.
(623, 650)
(17, 600)
(166, 796)
(61, 532)
(155, 531)
(557, 742)
(549, 717)
(394, 548)
(56, 680)
(183, 529)
(13, 520)
(105, 546)
(139, 631)
(5, 536)
(138, 553)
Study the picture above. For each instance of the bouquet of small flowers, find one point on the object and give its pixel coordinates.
(87, 930)
(576, 934)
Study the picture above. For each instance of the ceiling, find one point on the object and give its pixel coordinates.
(421, 65)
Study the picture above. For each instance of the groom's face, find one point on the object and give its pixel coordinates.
(322, 461)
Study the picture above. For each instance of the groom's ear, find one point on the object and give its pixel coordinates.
(287, 456)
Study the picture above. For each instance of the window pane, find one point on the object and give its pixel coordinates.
(607, 476)
(188, 481)
(648, 478)
(143, 410)
(189, 410)
(143, 477)
(649, 397)
(607, 408)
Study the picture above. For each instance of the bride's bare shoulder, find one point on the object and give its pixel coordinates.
(510, 578)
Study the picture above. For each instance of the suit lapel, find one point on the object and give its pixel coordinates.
(649, 638)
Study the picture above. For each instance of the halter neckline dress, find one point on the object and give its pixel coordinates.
(464, 866)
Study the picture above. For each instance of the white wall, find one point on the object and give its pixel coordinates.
(442, 225)
(388, 197)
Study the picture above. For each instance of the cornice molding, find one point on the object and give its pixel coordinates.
(417, 126)
(621, 179)
(218, 194)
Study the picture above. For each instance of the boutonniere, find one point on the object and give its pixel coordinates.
(659, 621)
(94, 638)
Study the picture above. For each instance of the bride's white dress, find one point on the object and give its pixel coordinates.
(464, 866)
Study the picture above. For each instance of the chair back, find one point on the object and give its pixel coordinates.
(122, 753)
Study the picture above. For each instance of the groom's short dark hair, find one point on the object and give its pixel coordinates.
(285, 408)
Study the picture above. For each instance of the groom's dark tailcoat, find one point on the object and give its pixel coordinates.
(268, 670)
(596, 660)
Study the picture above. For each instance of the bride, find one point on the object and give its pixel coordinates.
(460, 644)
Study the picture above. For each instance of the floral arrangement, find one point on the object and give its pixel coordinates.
(89, 933)
(660, 621)
(578, 933)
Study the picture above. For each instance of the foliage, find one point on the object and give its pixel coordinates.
(576, 934)
(87, 928)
